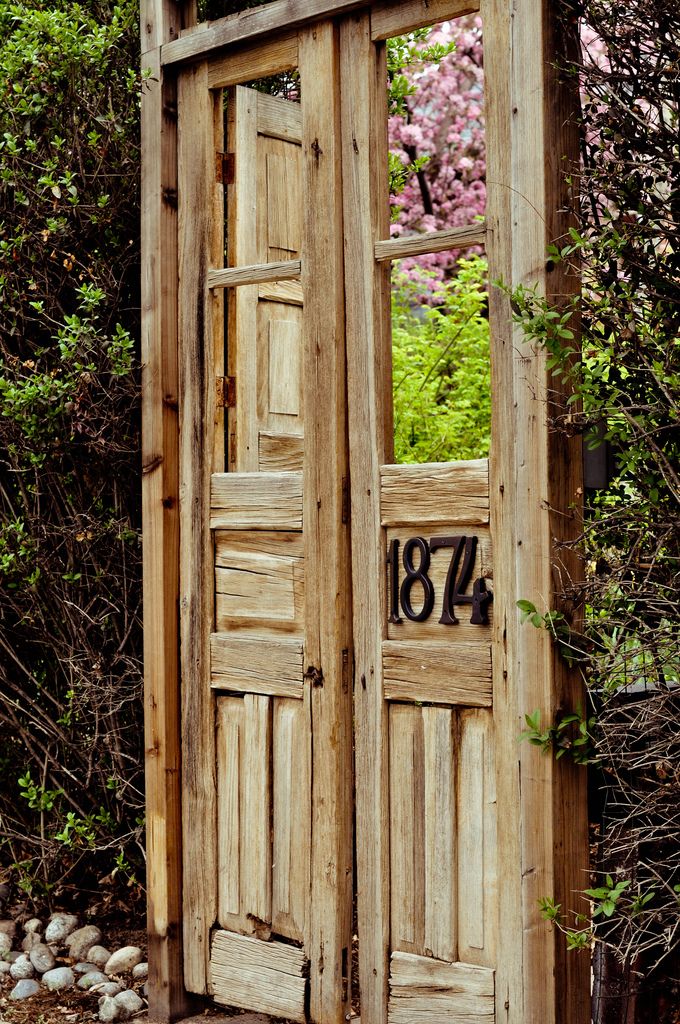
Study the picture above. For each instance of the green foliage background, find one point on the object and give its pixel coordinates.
(70, 662)
(440, 351)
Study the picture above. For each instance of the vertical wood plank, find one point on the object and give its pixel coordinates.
(230, 744)
(440, 827)
(242, 302)
(533, 484)
(364, 154)
(291, 817)
(196, 187)
(407, 821)
(327, 604)
(477, 869)
(256, 849)
(161, 21)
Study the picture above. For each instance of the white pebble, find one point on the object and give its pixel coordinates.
(98, 955)
(34, 925)
(140, 972)
(59, 978)
(24, 989)
(59, 927)
(22, 968)
(108, 1010)
(123, 960)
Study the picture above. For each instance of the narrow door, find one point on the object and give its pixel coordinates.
(268, 826)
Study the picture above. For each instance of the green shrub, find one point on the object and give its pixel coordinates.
(70, 631)
(440, 354)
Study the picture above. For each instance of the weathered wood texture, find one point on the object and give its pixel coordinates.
(364, 137)
(256, 501)
(534, 491)
(326, 531)
(285, 270)
(199, 243)
(435, 492)
(264, 976)
(425, 991)
(267, 666)
(161, 20)
(444, 673)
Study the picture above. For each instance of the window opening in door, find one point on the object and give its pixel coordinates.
(437, 168)
(263, 248)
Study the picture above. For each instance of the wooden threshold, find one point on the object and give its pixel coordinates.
(431, 241)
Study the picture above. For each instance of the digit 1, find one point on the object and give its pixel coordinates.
(393, 562)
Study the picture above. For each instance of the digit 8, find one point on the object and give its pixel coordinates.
(419, 574)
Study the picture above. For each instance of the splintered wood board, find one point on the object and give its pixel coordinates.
(427, 991)
(267, 977)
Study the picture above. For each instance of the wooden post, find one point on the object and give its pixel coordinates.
(535, 498)
(328, 647)
(160, 22)
(201, 453)
(364, 135)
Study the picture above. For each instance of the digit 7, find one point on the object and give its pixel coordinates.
(456, 585)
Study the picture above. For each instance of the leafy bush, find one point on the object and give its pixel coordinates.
(627, 395)
(442, 406)
(70, 670)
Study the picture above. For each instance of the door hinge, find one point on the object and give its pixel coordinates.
(225, 390)
(224, 168)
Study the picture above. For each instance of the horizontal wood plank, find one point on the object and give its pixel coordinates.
(256, 501)
(257, 273)
(427, 991)
(269, 665)
(391, 19)
(253, 23)
(446, 673)
(431, 241)
(279, 120)
(435, 492)
(267, 977)
(258, 60)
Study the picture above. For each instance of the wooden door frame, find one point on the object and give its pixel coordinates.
(528, 137)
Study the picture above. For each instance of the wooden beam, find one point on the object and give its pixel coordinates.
(367, 286)
(250, 25)
(260, 273)
(328, 637)
(431, 241)
(161, 20)
(255, 60)
(200, 113)
(396, 19)
(534, 489)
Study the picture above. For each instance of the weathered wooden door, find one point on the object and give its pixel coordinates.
(349, 635)
(266, 669)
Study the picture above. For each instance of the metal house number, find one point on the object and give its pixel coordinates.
(457, 580)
